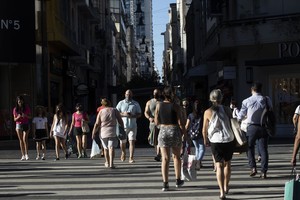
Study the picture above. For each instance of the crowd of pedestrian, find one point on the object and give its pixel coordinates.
(174, 127)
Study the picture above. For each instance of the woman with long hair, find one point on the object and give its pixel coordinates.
(22, 114)
(78, 118)
(194, 128)
(168, 116)
(59, 130)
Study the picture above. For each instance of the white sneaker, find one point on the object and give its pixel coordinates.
(38, 157)
(23, 158)
(26, 157)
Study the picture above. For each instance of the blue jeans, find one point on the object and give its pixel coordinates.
(199, 148)
(259, 134)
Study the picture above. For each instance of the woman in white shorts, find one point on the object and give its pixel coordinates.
(59, 130)
(107, 119)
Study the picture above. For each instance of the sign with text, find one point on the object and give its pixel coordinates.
(17, 31)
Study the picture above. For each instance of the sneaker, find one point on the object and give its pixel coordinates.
(165, 187)
(56, 159)
(263, 175)
(131, 160)
(38, 157)
(253, 172)
(26, 157)
(43, 158)
(85, 155)
(79, 156)
(258, 158)
(179, 183)
(106, 164)
(157, 158)
(23, 158)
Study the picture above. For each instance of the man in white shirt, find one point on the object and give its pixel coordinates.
(253, 107)
(130, 110)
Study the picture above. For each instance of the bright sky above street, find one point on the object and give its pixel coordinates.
(160, 19)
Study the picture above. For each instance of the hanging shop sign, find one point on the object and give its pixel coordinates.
(17, 31)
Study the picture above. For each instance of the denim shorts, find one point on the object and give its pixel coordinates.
(22, 127)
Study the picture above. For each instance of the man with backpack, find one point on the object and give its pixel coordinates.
(254, 107)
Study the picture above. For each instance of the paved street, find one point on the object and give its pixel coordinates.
(89, 179)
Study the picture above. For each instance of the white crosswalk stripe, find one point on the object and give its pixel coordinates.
(89, 179)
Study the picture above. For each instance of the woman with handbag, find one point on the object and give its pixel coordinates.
(106, 121)
(194, 126)
(80, 122)
(217, 129)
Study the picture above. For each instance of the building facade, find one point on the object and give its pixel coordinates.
(235, 43)
(72, 56)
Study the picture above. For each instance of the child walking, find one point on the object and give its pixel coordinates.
(40, 131)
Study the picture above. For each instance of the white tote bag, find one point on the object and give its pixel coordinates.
(95, 150)
(188, 168)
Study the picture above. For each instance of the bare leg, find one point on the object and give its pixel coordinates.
(177, 162)
(165, 162)
(20, 136)
(227, 175)
(44, 147)
(25, 141)
(84, 143)
(131, 149)
(123, 149)
(57, 147)
(38, 149)
(295, 149)
(63, 145)
(106, 156)
(111, 156)
(214, 163)
(220, 177)
(79, 145)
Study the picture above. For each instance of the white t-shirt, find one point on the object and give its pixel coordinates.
(40, 122)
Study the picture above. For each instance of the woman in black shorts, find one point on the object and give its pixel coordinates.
(217, 129)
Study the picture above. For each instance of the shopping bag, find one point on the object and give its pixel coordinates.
(152, 138)
(188, 168)
(121, 133)
(239, 135)
(85, 127)
(292, 187)
(95, 150)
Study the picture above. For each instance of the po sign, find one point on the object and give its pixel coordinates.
(17, 31)
(289, 49)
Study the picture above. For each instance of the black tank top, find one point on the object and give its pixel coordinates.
(167, 114)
